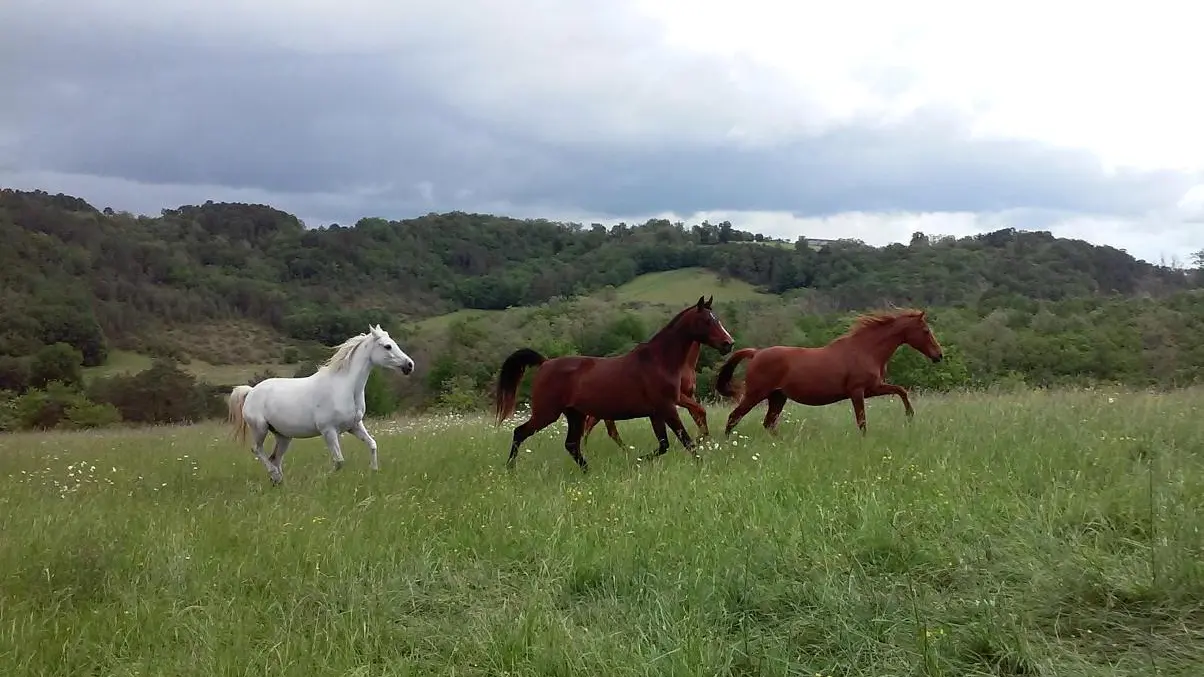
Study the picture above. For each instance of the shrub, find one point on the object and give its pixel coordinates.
(58, 362)
(164, 393)
(459, 394)
(62, 406)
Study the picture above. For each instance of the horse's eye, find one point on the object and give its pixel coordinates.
(388, 347)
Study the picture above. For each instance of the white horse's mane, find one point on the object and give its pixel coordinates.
(342, 354)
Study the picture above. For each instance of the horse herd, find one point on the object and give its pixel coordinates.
(650, 381)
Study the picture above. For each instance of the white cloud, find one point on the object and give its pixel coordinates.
(1117, 79)
(1108, 78)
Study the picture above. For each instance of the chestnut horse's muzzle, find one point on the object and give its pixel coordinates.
(938, 357)
(726, 347)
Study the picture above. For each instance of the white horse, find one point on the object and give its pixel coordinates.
(327, 403)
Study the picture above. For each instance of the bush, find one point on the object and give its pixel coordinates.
(58, 362)
(260, 376)
(9, 419)
(62, 406)
(164, 393)
(379, 397)
(459, 394)
(14, 374)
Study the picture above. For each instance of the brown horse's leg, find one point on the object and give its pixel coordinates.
(672, 419)
(857, 397)
(697, 412)
(679, 429)
(572, 439)
(590, 422)
(747, 402)
(613, 431)
(777, 402)
(662, 438)
(540, 419)
(892, 389)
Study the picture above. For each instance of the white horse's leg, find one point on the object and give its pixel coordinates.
(260, 434)
(278, 452)
(331, 435)
(361, 432)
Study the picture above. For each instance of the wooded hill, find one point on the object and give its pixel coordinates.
(100, 280)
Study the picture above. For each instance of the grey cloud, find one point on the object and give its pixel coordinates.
(923, 165)
(364, 129)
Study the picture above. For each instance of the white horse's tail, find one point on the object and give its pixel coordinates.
(235, 417)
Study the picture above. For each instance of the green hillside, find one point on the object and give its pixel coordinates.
(653, 292)
(677, 287)
(230, 291)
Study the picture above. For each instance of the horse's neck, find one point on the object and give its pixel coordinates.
(672, 349)
(352, 379)
(883, 342)
(691, 360)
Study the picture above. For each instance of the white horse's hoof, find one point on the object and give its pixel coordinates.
(338, 465)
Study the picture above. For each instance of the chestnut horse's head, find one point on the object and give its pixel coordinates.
(700, 324)
(918, 335)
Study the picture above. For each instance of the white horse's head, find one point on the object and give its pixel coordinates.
(384, 351)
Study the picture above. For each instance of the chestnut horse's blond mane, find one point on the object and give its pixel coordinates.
(881, 318)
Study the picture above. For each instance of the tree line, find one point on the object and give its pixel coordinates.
(1017, 307)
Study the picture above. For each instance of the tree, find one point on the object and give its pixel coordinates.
(58, 362)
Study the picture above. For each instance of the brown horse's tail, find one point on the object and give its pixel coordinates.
(723, 382)
(507, 382)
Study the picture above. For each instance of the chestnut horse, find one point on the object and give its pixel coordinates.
(685, 398)
(644, 382)
(852, 366)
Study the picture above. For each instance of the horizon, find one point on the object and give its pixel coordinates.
(1183, 263)
(813, 119)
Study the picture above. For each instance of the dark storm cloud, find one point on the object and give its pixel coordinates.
(922, 165)
(166, 107)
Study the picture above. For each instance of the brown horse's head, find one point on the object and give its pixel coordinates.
(700, 324)
(918, 335)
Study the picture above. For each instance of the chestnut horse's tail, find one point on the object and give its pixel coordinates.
(507, 382)
(723, 382)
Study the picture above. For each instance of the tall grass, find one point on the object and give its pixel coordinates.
(1026, 534)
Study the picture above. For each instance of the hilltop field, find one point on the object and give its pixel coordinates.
(1021, 533)
(654, 296)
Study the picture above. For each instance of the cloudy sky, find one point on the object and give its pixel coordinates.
(853, 119)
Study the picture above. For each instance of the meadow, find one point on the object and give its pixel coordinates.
(1024, 533)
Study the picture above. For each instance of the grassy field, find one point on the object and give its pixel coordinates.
(1026, 534)
(675, 289)
(438, 322)
(679, 287)
(125, 362)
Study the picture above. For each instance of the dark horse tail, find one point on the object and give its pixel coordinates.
(507, 382)
(723, 382)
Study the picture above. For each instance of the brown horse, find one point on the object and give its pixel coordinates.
(852, 366)
(685, 398)
(642, 383)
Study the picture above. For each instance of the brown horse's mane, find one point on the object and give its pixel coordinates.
(881, 318)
